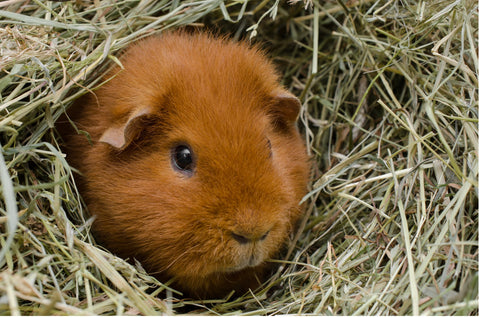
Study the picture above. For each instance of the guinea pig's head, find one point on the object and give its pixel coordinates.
(197, 167)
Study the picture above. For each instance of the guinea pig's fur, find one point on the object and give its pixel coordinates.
(212, 226)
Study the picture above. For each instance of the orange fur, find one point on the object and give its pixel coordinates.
(223, 99)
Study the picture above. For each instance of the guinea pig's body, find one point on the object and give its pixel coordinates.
(196, 168)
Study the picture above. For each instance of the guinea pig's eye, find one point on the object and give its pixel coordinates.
(182, 159)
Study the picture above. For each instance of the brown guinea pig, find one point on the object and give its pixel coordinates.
(195, 166)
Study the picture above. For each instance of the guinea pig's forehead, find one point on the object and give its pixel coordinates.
(220, 112)
(211, 128)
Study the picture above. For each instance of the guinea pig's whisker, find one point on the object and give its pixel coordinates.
(181, 256)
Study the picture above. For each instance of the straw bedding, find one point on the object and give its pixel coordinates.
(390, 117)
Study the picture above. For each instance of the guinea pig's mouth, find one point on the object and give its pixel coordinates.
(251, 262)
(248, 250)
(253, 258)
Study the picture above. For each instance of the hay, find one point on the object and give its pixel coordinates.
(390, 115)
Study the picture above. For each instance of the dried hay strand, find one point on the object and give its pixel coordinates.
(390, 117)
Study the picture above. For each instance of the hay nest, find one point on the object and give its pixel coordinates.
(390, 117)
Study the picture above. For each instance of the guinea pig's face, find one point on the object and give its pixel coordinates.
(218, 192)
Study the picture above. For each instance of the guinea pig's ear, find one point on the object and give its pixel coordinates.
(122, 134)
(284, 111)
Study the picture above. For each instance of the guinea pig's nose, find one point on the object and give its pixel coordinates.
(245, 238)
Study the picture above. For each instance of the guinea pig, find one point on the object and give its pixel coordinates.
(194, 166)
